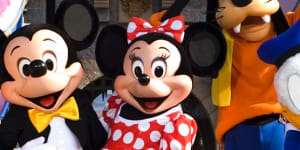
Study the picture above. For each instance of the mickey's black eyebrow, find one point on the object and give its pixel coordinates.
(48, 39)
(11, 52)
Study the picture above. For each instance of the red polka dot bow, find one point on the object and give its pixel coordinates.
(173, 27)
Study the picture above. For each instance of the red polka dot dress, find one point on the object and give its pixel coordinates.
(171, 130)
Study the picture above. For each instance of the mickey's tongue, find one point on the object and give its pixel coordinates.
(151, 105)
(47, 101)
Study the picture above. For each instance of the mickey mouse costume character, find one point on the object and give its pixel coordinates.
(283, 51)
(153, 67)
(40, 74)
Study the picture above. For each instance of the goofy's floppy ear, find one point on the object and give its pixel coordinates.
(206, 47)
(110, 50)
(79, 20)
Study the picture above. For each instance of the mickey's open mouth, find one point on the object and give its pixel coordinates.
(47, 101)
(150, 103)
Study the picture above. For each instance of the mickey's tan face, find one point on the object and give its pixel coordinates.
(38, 67)
(251, 22)
(150, 83)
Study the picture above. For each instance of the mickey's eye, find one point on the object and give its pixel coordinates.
(159, 68)
(50, 61)
(24, 67)
(137, 68)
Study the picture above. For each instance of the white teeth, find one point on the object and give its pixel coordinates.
(237, 29)
(266, 18)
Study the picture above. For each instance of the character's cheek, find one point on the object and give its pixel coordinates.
(74, 69)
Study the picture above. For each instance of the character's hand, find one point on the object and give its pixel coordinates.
(38, 144)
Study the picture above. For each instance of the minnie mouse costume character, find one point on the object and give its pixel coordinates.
(153, 66)
(283, 51)
(40, 74)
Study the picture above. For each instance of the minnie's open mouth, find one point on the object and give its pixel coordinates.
(252, 21)
(47, 101)
(150, 103)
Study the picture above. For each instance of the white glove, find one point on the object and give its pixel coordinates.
(38, 144)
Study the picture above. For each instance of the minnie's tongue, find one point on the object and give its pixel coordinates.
(151, 105)
(47, 101)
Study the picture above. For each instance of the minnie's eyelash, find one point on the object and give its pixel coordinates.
(165, 56)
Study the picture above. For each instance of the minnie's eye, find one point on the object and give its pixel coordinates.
(50, 61)
(159, 68)
(137, 68)
(24, 67)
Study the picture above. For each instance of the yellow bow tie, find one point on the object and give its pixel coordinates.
(41, 120)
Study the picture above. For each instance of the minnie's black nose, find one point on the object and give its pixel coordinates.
(37, 68)
(144, 79)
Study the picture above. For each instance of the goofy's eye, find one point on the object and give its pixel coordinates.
(24, 67)
(137, 68)
(159, 68)
(50, 61)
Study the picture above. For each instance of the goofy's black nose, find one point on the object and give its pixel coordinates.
(144, 79)
(241, 3)
(37, 68)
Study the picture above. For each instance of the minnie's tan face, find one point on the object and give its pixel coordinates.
(251, 22)
(38, 67)
(150, 83)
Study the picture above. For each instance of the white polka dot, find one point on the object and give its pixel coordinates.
(144, 126)
(169, 34)
(131, 27)
(118, 101)
(163, 121)
(163, 144)
(150, 149)
(117, 135)
(182, 36)
(175, 145)
(129, 123)
(176, 25)
(155, 136)
(140, 34)
(147, 25)
(192, 130)
(128, 138)
(183, 129)
(188, 146)
(160, 29)
(128, 41)
(111, 113)
(169, 128)
(139, 143)
(117, 120)
(165, 22)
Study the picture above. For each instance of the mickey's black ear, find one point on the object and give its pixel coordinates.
(206, 47)
(110, 50)
(79, 20)
(2, 38)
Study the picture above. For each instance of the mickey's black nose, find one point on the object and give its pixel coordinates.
(241, 3)
(144, 79)
(37, 68)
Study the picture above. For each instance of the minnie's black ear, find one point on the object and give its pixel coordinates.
(110, 50)
(206, 47)
(79, 20)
